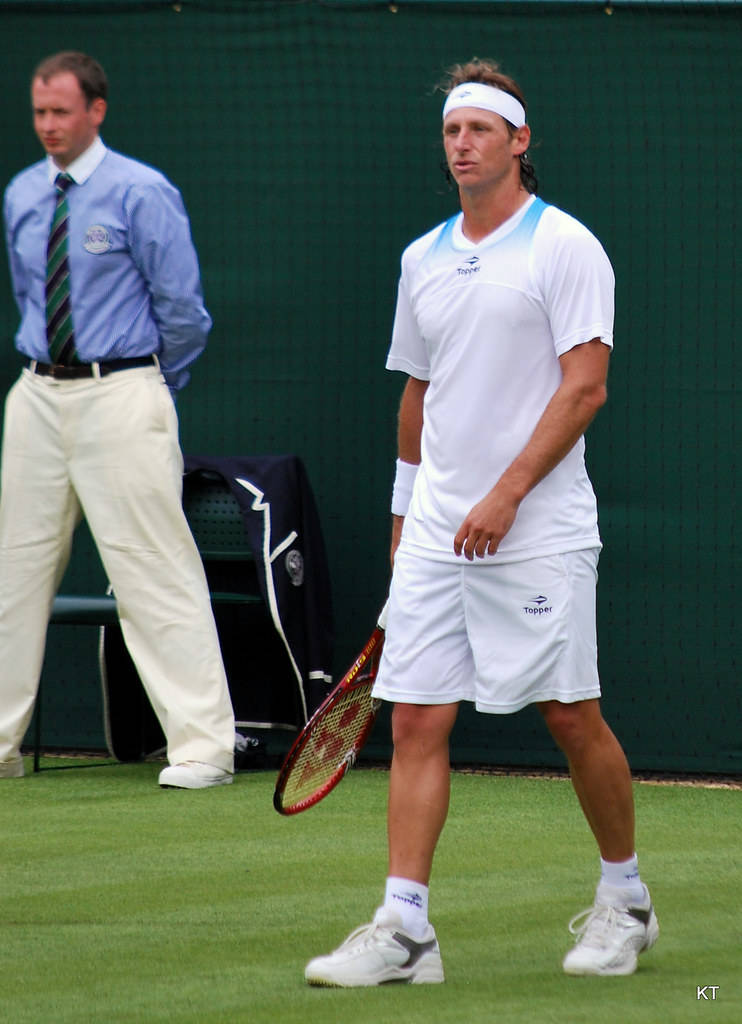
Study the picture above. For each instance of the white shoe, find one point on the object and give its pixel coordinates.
(379, 952)
(609, 939)
(12, 769)
(193, 775)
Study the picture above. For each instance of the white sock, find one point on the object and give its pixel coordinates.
(410, 900)
(620, 883)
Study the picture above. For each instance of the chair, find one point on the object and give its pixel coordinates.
(277, 667)
(261, 680)
(73, 610)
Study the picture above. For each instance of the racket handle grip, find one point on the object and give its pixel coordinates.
(382, 615)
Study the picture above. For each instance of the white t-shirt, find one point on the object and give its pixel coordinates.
(485, 324)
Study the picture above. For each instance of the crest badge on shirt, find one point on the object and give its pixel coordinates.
(97, 240)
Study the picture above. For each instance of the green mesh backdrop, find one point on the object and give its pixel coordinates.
(304, 137)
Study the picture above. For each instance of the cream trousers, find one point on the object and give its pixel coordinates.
(107, 449)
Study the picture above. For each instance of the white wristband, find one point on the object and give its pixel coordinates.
(404, 481)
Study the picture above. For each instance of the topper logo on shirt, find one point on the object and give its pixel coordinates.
(541, 606)
(470, 266)
(97, 240)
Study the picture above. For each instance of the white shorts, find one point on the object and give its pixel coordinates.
(502, 636)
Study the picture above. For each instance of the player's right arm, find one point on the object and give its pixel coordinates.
(409, 433)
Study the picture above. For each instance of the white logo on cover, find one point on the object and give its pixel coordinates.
(97, 240)
(295, 567)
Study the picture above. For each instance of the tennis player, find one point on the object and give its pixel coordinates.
(504, 327)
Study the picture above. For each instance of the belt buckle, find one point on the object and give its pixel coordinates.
(56, 371)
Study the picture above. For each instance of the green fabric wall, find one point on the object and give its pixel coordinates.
(305, 139)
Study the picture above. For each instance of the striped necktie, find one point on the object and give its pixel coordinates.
(60, 334)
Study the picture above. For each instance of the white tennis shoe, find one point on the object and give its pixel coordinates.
(193, 775)
(609, 939)
(379, 952)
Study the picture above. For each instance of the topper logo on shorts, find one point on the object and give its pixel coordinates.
(541, 606)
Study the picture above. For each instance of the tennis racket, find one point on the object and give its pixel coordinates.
(329, 743)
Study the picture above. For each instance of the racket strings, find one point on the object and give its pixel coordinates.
(332, 746)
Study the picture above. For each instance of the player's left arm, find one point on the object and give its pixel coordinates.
(565, 419)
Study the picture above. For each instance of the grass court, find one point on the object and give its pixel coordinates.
(126, 904)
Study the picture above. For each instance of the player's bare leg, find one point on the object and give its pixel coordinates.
(599, 771)
(419, 786)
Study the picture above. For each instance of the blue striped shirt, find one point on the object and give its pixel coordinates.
(134, 279)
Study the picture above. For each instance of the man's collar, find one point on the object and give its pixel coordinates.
(82, 166)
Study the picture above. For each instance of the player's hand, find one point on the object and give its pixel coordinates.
(483, 529)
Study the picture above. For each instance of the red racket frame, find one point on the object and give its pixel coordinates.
(359, 680)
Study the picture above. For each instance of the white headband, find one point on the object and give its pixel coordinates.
(486, 97)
